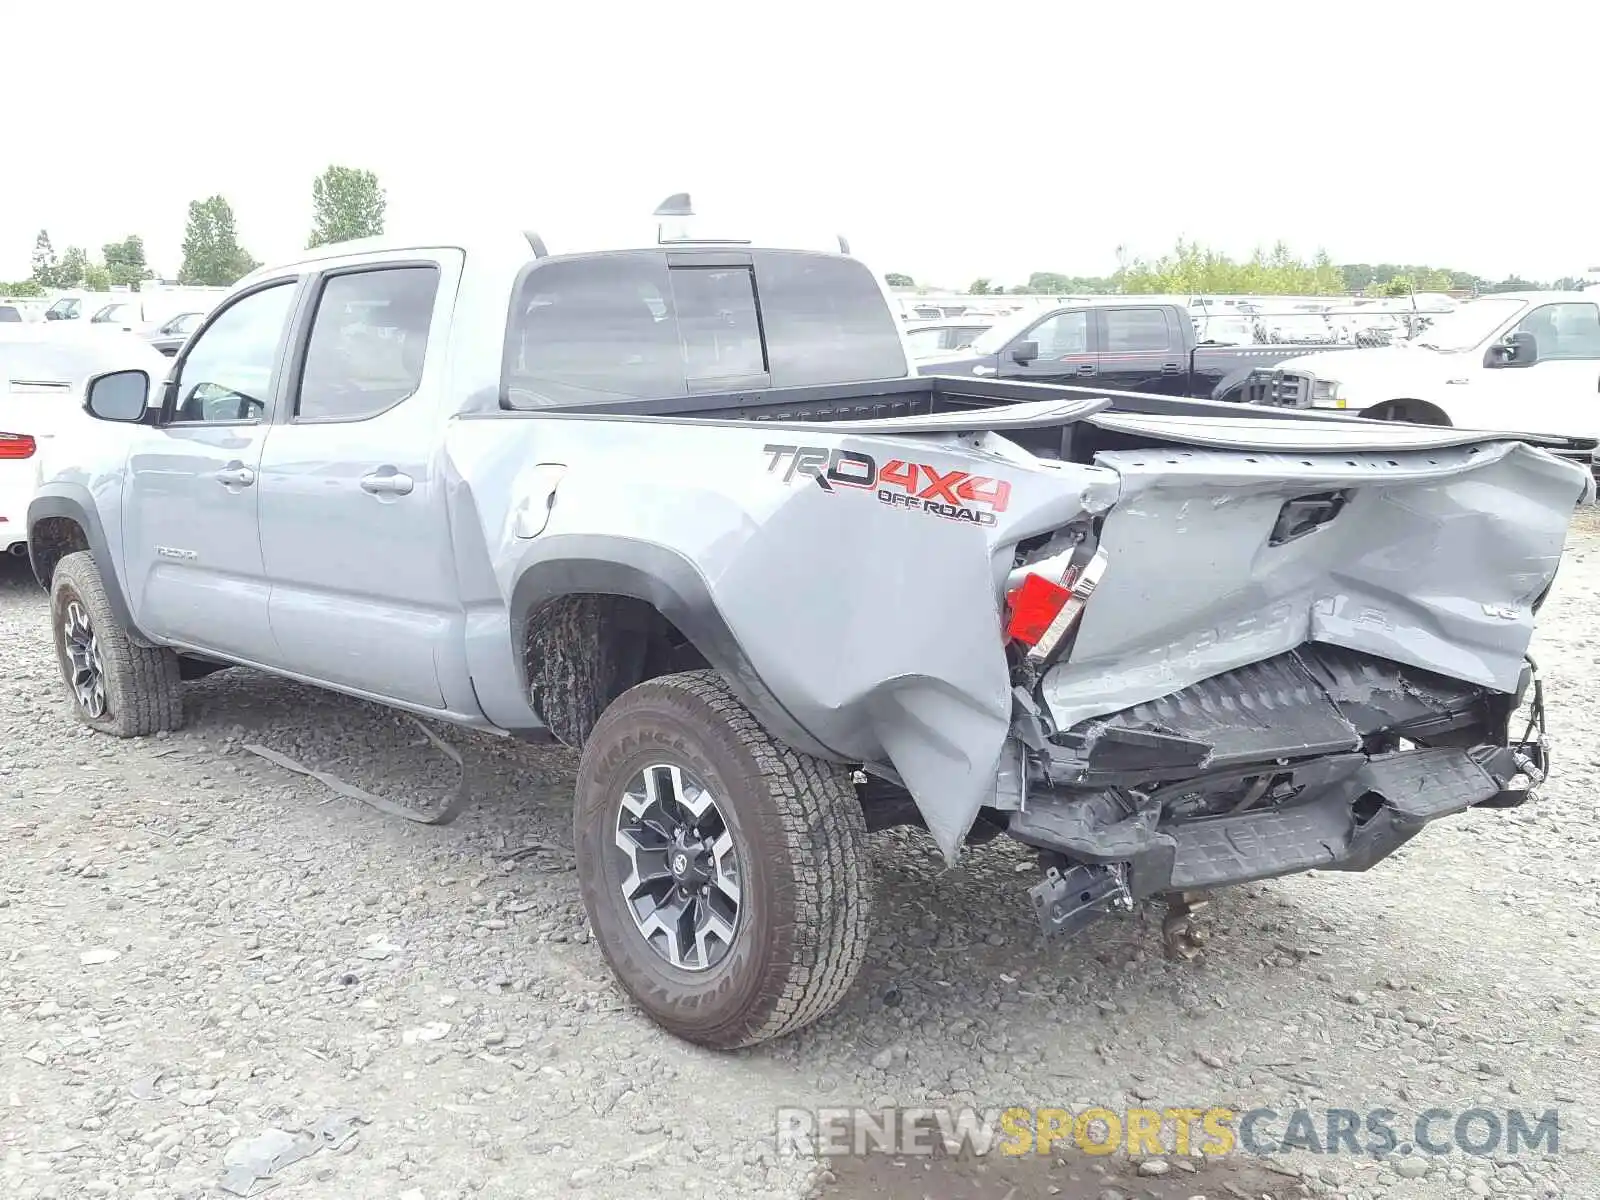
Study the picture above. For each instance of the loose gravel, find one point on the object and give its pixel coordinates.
(201, 953)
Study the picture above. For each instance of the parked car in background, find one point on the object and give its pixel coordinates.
(925, 338)
(169, 336)
(1123, 343)
(1301, 329)
(1380, 329)
(43, 370)
(1522, 361)
(1227, 330)
(11, 314)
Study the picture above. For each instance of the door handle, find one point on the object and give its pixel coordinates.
(238, 476)
(1085, 368)
(387, 483)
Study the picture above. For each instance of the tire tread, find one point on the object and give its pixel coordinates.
(828, 926)
(143, 689)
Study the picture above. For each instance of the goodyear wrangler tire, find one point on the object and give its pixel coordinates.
(724, 874)
(115, 685)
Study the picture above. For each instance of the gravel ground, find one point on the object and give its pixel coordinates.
(197, 948)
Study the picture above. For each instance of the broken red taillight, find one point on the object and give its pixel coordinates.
(1043, 610)
(16, 445)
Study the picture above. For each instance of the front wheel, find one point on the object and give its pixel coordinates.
(724, 874)
(116, 686)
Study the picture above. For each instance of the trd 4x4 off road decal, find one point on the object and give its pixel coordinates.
(954, 495)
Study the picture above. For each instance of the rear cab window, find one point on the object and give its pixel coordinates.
(1135, 330)
(636, 325)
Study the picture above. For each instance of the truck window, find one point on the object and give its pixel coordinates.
(228, 374)
(1564, 330)
(368, 341)
(1062, 335)
(718, 327)
(1130, 330)
(593, 329)
(624, 326)
(826, 320)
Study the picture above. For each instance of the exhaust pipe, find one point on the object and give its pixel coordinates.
(19, 550)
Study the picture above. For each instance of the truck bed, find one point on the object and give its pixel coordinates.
(1075, 423)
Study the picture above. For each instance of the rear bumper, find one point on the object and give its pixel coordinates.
(1363, 810)
(1282, 767)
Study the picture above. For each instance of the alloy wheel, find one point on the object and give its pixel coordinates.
(86, 669)
(680, 867)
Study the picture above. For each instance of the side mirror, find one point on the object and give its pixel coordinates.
(1024, 353)
(1520, 349)
(119, 396)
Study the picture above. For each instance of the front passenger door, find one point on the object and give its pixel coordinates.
(190, 534)
(1065, 352)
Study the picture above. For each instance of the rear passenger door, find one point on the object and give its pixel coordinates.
(354, 532)
(1141, 350)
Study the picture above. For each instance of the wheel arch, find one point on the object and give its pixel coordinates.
(644, 600)
(1410, 410)
(62, 520)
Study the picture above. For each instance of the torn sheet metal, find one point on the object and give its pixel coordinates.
(1318, 436)
(1434, 561)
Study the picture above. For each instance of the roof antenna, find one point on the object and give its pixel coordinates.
(677, 209)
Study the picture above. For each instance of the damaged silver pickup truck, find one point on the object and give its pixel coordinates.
(687, 508)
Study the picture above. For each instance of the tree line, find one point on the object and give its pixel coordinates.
(1193, 269)
(346, 203)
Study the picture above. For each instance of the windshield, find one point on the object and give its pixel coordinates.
(1468, 325)
(995, 338)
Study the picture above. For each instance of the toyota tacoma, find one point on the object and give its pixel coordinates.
(687, 508)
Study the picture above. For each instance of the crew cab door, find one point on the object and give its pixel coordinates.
(354, 531)
(190, 538)
(1142, 351)
(1059, 348)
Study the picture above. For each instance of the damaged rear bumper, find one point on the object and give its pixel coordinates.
(1307, 762)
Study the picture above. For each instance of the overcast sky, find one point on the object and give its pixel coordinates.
(994, 139)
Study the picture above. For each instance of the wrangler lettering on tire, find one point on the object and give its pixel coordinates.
(724, 874)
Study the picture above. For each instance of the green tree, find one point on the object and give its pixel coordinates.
(980, 287)
(125, 261)
(1053, 283)
(212, 255)
(895, 279)
(96, 277)
(44, 260)
(1192, 268)
(346, 203)
(1400, 285)
(23, 287)
(1513, 283)
(73, 268)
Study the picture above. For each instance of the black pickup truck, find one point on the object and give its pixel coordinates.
(1117, 344)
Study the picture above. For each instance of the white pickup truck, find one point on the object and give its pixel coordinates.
(1523, 361)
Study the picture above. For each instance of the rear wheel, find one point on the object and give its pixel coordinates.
(723, 873)
(115, 685)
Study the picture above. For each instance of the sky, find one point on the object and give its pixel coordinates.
(948, 142)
